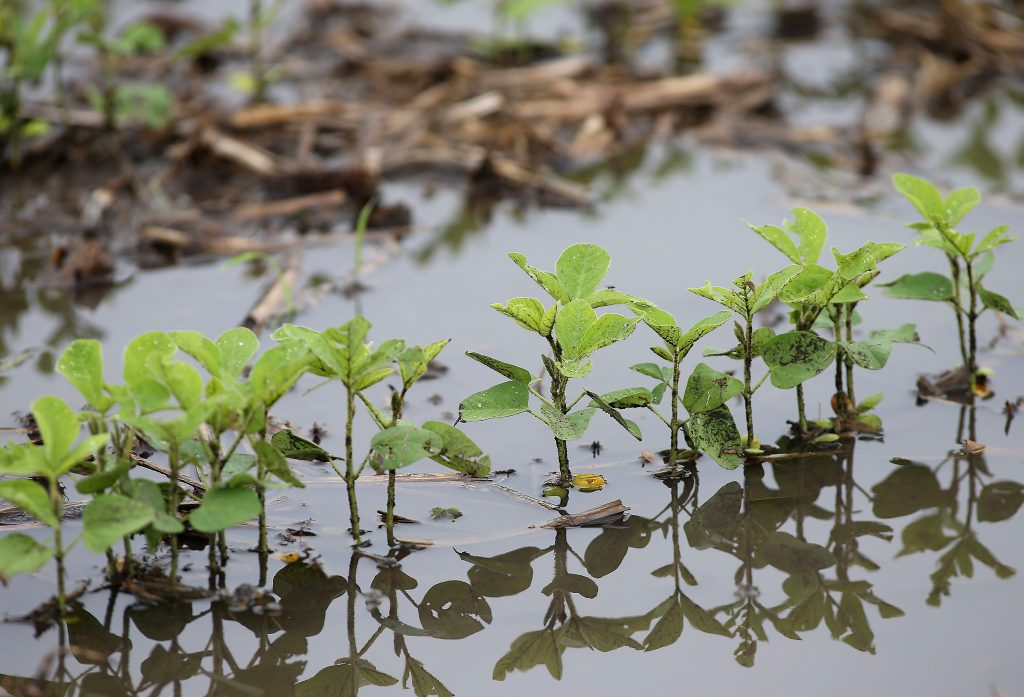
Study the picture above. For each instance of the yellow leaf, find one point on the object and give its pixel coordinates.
(288, 557)
(588, 482)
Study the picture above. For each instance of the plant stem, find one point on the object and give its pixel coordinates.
(748, 393)
(841, 413)
(673, 427)
(58, 545)
(172, 505)
(558, 386)
(389, 516)
(350, 475)
(801, 411)
(954, 266)
(972, 337)
(848, 357)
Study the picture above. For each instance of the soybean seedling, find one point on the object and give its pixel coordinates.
(448, 446)
(746, 300)
(573, 331)
(969, 261)
(106, 517)
(797, 356)
(677, 345)
(341, 354)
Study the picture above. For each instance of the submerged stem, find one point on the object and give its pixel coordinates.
(673, 427)
(748, 393)
(972, 320)
(350, 474)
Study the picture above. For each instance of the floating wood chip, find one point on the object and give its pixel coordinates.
(600, 514)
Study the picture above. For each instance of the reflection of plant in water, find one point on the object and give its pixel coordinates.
(914, 487)
(839, 601)
(449, 610)
(678, 606)
(746, 522)
(352, 672)
(564, 627)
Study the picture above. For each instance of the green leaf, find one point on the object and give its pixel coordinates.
(206, 352)
(633, 429)
(510, 371)
(778, 238)
(81, 364)
(770, 288)
(700, 329)
(923, 195)
(571, 325)
(997, 302)
(149, 493)
(529, 313)
(668, 629)
(297, 448)
(574, 368)
(110, 517)
(714, 431)
(920, 286)
(277, 370)
(237, 346)
(663, 323)
(873, 353)
(708, 389)
(581, 268)
(505, 399)
(141, 357)
(274, 463)
(607, 330)
(570, 426)
(21, 554)
(457, 451)
(811, 229)
(101, 481)
(31, 498)
(959, 203)
(402, 445)
(651, 370)
(184, 383)
(222, 509)
(546, 280)
(58, 427)
(995, 238)
(794, 357)
(628, 398)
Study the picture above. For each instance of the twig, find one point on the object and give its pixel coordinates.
(604, 512)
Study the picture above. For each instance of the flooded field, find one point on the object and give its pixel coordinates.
(877, 563)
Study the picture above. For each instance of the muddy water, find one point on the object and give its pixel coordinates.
(845, 574)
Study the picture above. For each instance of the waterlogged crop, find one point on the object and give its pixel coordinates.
(970, 259)
(36, 490)
(746, 300)
(709, 423)
(342, 354)
(573, 332)
(797, 356)
(204, 404)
